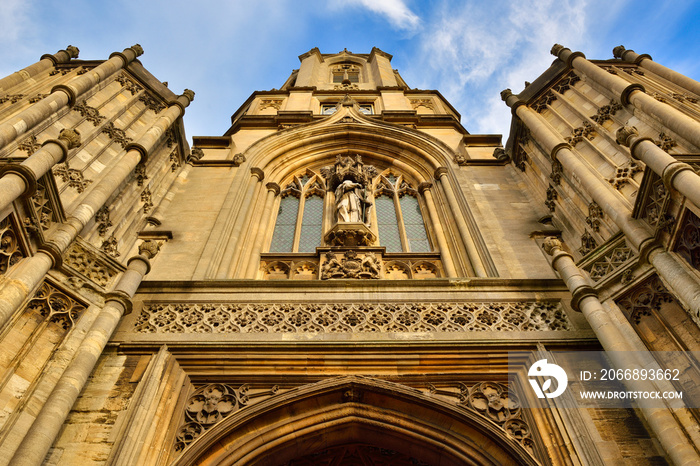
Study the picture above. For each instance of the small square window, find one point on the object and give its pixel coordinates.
(328, 109)
(367, 109)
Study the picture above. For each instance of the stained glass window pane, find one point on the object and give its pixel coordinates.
(311, 224)
(387, 224)
(283, 236)
(413, 222)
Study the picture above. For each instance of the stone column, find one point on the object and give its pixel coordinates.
(48, 423)
(32, 270)
(675, 174)
(465, 233)
(646, 62)
(634, 94)
(46, 62)
(584, 299)
(445, 256)
(20, 179)
(64, 94)
(224, 270)
(635, 230)
(260, 231)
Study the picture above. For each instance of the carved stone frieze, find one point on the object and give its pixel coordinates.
(85, 263)
(10, 249)
(606, 112)
(74, 178)
(350, 265)
(350, 317)
(116, 134)
(91, 114)
(55, 306)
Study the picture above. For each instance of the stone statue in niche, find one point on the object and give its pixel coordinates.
(351, 203)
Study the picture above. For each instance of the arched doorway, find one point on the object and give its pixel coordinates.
(355, 418)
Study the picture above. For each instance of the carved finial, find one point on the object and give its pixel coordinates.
(618, 51)
(550, 244)
(347, 101)
(625, 134)
(505, 93)
(189, 94)
(556, 48)
(137, 49)
(71, 137)
(149, 248)
(72, 51)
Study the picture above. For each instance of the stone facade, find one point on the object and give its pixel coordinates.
(344, 273)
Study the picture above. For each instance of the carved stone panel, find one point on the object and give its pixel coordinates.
(688, 240)
(10, 249)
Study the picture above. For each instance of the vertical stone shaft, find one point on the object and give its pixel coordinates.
(445, 255)
(661, 420)
(46, 62)
(47, 424)
(635, 230)
(273, 189)
(646, 62)
(224, 270)
(64, 94)
(634, 94)
(18, 179)
(472, 251)
(32, 270)
(675, 174)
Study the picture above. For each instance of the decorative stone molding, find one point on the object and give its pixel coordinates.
(110, 246)
(585, 131)
(29, 145)
(427, 103)
(43, 209)
(37, 98)
(588, 243)
(665, 142)
(684, 98)
(238, 160)
(557, 172)
(567, 83)
(624, 174)
(195, 154)
(146, 199)
(70, 137)
(151, 102)
(10, 250)
(91, 114)
(270, 103)
(541, 104)
(74, 178)
(170, 137)
(606, 112)
(624, 135)
(595, 214)
(611, 261)
(128, 83)
(117, 135)
(350, 266)
(175, 160)
(688, 240)
(149, 248)
(12, 98)
(350, 235)
(350, 317)
(140, 173)
(552, 196)
(499, 153)
(102, 220)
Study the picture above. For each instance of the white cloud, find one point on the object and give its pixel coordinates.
(395, 11)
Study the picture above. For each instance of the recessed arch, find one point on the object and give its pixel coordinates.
(355, 410)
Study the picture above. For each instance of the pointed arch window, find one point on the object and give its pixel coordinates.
(299, 224)
(400, 223)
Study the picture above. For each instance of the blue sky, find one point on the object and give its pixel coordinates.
(468, 50)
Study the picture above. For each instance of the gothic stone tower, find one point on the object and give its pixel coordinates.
(341, 277)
